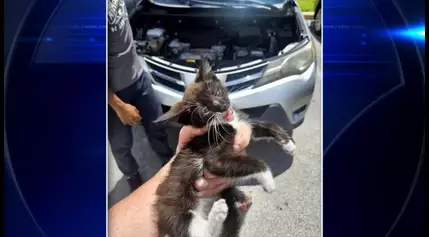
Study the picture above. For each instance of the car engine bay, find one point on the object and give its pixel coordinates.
(218, 38)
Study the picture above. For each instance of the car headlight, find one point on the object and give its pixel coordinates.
(291, 64)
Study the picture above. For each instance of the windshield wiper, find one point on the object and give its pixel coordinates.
(230, 3)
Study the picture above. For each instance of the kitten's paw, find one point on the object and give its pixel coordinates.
(290, 147)
(219, 211)
(245, 204)
(267, 181)
(269, 187)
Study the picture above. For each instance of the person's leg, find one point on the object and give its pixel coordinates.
(150, 109)
(121, 141)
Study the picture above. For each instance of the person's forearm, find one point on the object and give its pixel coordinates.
(114, 101)
(134, 215)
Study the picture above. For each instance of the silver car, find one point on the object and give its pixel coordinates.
(262, 50)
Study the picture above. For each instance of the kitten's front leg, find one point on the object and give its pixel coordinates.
(271, 131)
(217, 216)
(241, 168)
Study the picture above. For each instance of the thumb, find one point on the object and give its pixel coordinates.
(199, 131)
(201, 184)
(179, 147)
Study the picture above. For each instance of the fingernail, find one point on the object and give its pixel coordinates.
(201, 183)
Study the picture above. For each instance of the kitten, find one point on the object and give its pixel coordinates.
(181, 212)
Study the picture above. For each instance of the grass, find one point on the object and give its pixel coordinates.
(306, 5)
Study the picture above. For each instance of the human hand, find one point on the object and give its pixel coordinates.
(242, 138)
(186, 134)
(128, 114)
(209, 184)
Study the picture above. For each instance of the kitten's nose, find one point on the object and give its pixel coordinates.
(220, 106)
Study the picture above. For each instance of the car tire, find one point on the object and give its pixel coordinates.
(318, 22)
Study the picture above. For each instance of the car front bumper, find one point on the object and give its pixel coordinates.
(284, 101)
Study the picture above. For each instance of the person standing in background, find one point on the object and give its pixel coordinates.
(131, 98)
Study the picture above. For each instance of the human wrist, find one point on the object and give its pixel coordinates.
(117, 105)
(163, 172)
(115, 102)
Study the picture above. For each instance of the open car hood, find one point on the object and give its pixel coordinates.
(178, 3)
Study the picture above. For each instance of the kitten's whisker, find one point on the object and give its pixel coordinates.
(209, 126)
(223, 127)
(220, 122)
(219, 133)
(213, 127)
(185, 107)
(194, 102)
(208, 136)
(216, 133)
(193, 111)
(199, 113)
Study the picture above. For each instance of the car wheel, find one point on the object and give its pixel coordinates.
(318, 22)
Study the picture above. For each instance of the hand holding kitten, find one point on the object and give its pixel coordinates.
(209, 185)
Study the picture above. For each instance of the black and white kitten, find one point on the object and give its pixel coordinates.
(181, 212)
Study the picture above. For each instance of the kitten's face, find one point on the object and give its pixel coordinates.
(205, 102)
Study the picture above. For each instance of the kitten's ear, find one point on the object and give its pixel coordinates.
(205, 71)
(173, 114)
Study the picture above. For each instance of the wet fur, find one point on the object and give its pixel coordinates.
(181, 212)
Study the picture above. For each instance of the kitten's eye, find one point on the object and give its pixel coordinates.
(217, 93)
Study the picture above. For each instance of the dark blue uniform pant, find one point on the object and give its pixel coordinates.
(143, 97)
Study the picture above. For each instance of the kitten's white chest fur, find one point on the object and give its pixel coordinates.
(236, 121)
(208, 217)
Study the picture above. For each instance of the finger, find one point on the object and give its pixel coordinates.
(198, 131)
(205, 184)
(216, 183)
(201, 184)
(179, 148)
(213, 192)
(137, 118)
(241, 141)
(128, 122)
(238, 140)
(209, 175)
(186, 134)
(135, 121)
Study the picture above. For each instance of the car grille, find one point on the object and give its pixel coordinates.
(244, 79)
(235, 81)
(168, 78)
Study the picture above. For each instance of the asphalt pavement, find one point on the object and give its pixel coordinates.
(293, 210)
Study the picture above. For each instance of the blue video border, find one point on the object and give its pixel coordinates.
(55, 113)
(373, 118)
